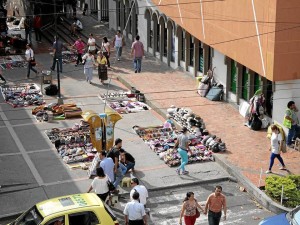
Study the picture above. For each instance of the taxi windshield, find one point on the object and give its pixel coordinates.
(30, 217)
(295, 216)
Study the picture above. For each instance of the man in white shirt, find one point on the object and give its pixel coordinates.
(107, 165)
(141, 189)
(135, 212)
(76, 26)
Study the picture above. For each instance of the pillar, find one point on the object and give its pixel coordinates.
(239, 83)
(206, 55)
(196, 55)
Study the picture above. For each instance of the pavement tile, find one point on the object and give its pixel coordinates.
(7, 143)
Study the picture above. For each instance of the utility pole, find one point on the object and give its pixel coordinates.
(59, 99)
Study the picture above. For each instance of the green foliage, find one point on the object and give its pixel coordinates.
(291, 192)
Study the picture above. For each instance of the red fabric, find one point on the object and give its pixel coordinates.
(37, 22)
(190, 220)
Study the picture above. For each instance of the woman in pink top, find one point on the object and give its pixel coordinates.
(79, 45)
(188, 209)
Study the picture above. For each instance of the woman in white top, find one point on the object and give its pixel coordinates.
(99, 184)
(92, 44)
(29, 55)
(89, 63)
(276, 145)
(118, 43)
(106, 49)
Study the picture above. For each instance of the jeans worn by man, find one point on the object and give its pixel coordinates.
(55, 58)
(120, 174)
(295, 129)
(137, 64)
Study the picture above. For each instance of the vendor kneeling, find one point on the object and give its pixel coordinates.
(128, 160)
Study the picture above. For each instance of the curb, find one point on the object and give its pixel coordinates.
(254, 191)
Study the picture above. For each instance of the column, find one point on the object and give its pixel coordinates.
(206, 54)
(228, 77)
(251, 83)
(239, 83)
(196, 56)
(187, 50)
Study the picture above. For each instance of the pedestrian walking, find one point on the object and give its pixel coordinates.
(135, 212)
(99, 184)
(127, 160)
(79, 46)
(92, 44)
(182, 145)
(89, 63)
(291, 122)
(107, 164)
(189, 209)
(57, 54)
(105, 48)
(102, 67)
(276, 146)
(215, 203)
(137, 51)
(28, 28)
(119, 168)
(141, 189)
(37, 24)
(29, 55)
(118, 44)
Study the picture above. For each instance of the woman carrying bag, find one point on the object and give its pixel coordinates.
(189, 209)
(106, 50)
(29, 55)
(89, 63)
(100, 184)
(102, 69)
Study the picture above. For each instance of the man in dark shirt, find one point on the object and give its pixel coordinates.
(119, 169)
(57, 53)
(28, 28)
(128, 160)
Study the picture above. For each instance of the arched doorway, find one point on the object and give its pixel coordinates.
(147, 16)
(171, 41)
(156, 32)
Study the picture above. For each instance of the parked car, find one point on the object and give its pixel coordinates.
(77, 209)
(290, 218)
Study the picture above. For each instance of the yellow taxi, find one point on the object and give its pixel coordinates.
(77, 209)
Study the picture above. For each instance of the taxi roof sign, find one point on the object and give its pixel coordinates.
(69, 202)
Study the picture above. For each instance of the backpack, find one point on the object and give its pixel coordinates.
(51, 90)
(256, 123)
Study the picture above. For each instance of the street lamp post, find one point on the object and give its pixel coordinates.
(59, 99)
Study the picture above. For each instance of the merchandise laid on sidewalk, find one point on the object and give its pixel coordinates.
(162, 141)
(8, 62)
(24, 94)
(73, 144)
(68, 56)
(56, 112)
(124, 102)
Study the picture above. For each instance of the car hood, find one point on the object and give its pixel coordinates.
(276, 220)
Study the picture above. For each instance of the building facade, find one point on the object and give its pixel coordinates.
(249, 45)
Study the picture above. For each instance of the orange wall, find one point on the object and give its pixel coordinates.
(230, 28)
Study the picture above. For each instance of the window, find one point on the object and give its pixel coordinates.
(256, 82)
(201, 59)
(151, 35)
(118, 13)
(53, 221)
(182, 46)
(31, 217)
(234, 73)
(172, 46)
(83, 218)
(165, 41)
(191, 49)
(245, 84)
(124, 16)
(158, 37)
(136, 23)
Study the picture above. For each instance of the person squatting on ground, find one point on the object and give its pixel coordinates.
(291, 122)
(275, 148)
(188, 209)
(37, 24)
(99, 184)
(57, 54)
(127, 160)
(214, 204)
(141, 189)
(76, 26)
(89, 63)
(105, 48)
(29, 55)
(118, 44)
(119, 168)
(135, 211)
(102, 67)
(92, 44)
(79, 46)
(107, 165)
(183, 147)
(137, 51)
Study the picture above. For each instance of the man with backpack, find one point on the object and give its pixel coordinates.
(28, 28)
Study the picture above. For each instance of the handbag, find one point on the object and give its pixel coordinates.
(110, 185)
(197, 213)
(33, 62)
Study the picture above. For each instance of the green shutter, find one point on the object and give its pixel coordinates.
(201, 59)
(245, 84)
(233, 76)
(256, 82)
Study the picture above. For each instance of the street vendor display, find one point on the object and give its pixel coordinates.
(124, 102)
(24, 94)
